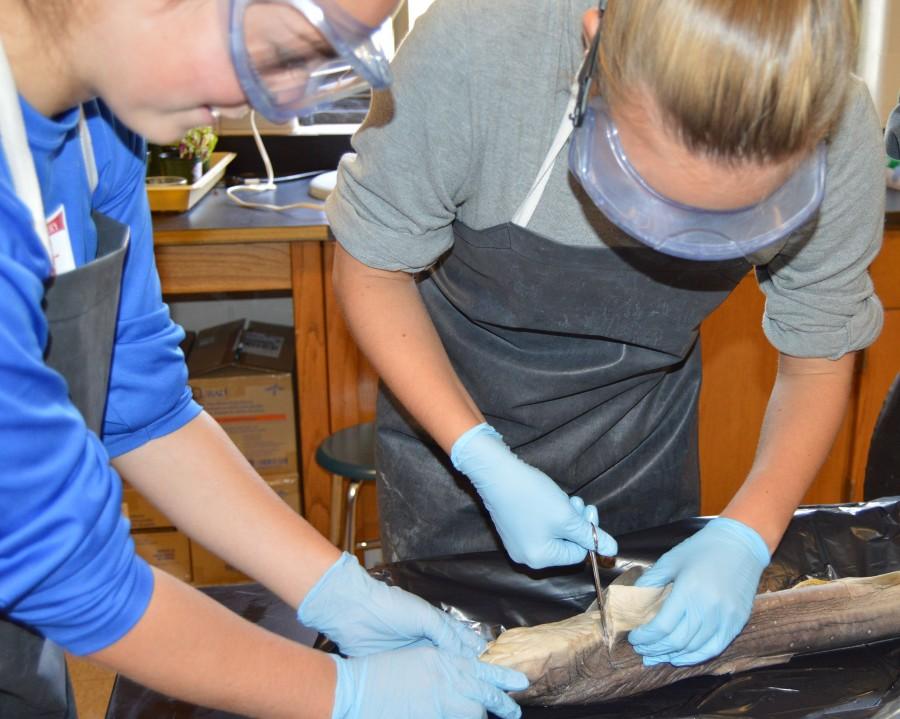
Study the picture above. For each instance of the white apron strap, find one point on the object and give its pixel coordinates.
(523, 215)
(87, 151)
(17, 152)
(14, 139)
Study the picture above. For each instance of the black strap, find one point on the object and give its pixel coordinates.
(587, 73)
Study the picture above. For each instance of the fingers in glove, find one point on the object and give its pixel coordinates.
(680, 640)
(652, 638)
(653, 661)
(659, 575)
(591, 515)
(457, 638)
(504, 678)
(705, 626)
(501, 704)
(719, 639)
(580, 531)
(588, 512)
(460, 706)
(491, 684)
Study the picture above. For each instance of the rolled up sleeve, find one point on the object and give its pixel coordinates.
(820, 301)
(394, 204)
(149, 396)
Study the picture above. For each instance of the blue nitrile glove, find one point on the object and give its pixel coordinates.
(539, 524)
(423, 683)
(715, 574)
(364, 616)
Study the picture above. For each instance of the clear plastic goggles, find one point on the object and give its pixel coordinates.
(294, 56)
(597, 159)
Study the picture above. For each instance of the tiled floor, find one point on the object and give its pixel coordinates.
(92, 686)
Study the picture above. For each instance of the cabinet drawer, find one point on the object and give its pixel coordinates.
(249, 267)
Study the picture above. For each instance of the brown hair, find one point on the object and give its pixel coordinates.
(756, 80)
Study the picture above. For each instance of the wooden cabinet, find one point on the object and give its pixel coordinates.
(739, 369)
(352, 388)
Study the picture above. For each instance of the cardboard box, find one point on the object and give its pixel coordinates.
(210, 569)
(143, 515)
(140, 512)
(243, 377)
(167, 549)
(215, 348)
(187, 344)
(288, 488)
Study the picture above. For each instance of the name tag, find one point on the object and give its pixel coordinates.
(60, 243)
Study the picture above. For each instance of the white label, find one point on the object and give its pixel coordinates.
(261, 344)
(60, 243)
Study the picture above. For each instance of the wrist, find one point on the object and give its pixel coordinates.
(748, 536)
(346, 686)
(306, 612)
(463, 446)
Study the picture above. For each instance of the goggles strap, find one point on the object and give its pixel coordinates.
(587, 73)
(579, 95)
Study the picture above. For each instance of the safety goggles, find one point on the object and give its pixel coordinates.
(295, 56)
(597, 159)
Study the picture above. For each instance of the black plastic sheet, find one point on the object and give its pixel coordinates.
(256, 604)
(826, 542)
(844, 540)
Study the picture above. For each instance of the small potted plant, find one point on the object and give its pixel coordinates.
(189, 159)
(197, 147)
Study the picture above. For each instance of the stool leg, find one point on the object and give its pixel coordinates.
(350, 534)
(337, 502)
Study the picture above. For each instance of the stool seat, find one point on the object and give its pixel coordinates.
(350, 452)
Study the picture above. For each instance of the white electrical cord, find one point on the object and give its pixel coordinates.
(266, 186)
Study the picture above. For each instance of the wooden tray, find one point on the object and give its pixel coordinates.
(180, 198)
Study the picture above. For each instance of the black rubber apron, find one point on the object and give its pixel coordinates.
(81, 307)
(585, 359)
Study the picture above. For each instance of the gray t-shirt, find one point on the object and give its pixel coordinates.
(480, 88)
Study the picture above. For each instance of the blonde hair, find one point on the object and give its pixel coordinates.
(756, 80)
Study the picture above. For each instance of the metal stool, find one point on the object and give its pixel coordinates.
(348, 453)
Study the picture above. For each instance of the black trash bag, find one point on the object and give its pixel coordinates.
(827, 542)
(883, 460)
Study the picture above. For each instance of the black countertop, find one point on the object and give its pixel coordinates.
(215, 213)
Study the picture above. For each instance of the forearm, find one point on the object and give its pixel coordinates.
(803, 416)
(190, 647)
(390, 324)
(199, 479)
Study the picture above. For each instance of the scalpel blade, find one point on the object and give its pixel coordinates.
(597, 585)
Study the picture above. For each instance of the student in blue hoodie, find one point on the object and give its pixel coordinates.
(93, 385)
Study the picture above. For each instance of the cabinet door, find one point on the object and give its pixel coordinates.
(739, 367)
(352, 389)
